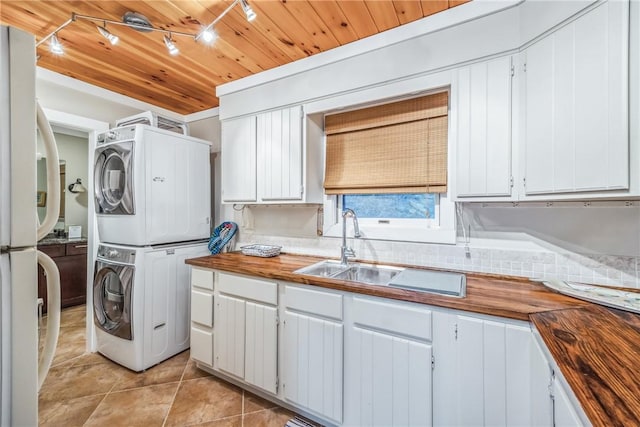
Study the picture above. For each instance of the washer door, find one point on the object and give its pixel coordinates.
(113, 179)
(112, 297)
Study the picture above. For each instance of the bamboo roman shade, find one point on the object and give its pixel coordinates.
(393, 148)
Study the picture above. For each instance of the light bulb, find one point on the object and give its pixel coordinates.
(248, 11)
(171, 46)
(208, 36)
(113, 39)
(55, 46)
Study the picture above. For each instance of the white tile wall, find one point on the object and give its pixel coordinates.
(543, 264)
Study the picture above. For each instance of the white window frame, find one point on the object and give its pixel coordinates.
(404, 230)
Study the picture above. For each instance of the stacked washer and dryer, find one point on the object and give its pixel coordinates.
(153, 203)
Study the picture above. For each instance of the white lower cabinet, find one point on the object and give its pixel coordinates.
(387, 364)
(560, 408)
(312, 351)
(202, 316)
(482, 372)
(564, 412)
(246, 324)
(355, 360)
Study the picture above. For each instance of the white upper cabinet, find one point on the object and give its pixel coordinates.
(280, 154)
(266, 160)
(576, 105)
(239, 160)
(482, 94)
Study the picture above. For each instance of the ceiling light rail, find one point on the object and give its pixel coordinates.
(140, 23)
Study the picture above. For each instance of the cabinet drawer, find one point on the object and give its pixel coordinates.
(392, 317)
(202, 278)
(77, 248)
(202, 346)
(245, 287)
(202, 308)
(324, 304)
(52, 250)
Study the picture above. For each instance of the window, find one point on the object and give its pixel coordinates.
(392, 206)
(389, 164)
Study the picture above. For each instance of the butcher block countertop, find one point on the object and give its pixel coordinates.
(598, 352)
(486, 294)
(597, 349)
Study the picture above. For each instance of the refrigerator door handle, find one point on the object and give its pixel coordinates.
(53, 175)
(53, 315)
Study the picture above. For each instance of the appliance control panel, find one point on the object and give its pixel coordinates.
(111, 253)
(125, 133)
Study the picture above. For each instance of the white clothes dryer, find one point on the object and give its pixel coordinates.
(141, 302)
(151, 186)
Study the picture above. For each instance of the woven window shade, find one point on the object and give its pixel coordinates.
(393, 148)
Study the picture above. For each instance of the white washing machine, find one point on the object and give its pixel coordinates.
(141, 299)
(151, 186)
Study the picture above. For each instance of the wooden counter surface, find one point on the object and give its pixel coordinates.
(486, 294)
(598, 351)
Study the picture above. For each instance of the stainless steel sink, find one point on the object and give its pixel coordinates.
(323, 269)
(368, 273)
(355, 272)
(419, 280)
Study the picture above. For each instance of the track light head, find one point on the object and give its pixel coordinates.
(171, 46)
(55, 46)
(248, 11)
(208, 36)
(113, 39)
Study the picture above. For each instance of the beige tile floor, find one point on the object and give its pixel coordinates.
(87, 389)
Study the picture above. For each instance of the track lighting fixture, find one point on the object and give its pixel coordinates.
(171, 46)
(248, 11)
(55, 46)
(139, 22)
(113, 39)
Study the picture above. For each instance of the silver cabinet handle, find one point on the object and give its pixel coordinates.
(81, 246)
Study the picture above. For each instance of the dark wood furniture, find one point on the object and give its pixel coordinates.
(71, 259)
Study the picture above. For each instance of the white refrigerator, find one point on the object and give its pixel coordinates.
(19, 229)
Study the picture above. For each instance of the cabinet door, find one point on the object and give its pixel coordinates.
(73, 279)
(261, 346)
(482, 372)
(279, 140)
(388, 380)
(239, 160)
(229, 348)
(483, 160)
(541, 405)
(312, 368)
(576, 84)
(202, 345)
(564, 414)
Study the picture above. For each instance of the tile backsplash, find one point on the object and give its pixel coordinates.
(543, 264)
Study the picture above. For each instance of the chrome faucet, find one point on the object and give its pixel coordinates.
(345, 251)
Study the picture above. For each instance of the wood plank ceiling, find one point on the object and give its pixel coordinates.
(139, 66)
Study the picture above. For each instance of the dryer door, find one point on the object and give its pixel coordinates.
(112, 294)
(113, 179)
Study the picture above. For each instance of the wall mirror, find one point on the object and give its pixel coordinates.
(42, 191)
